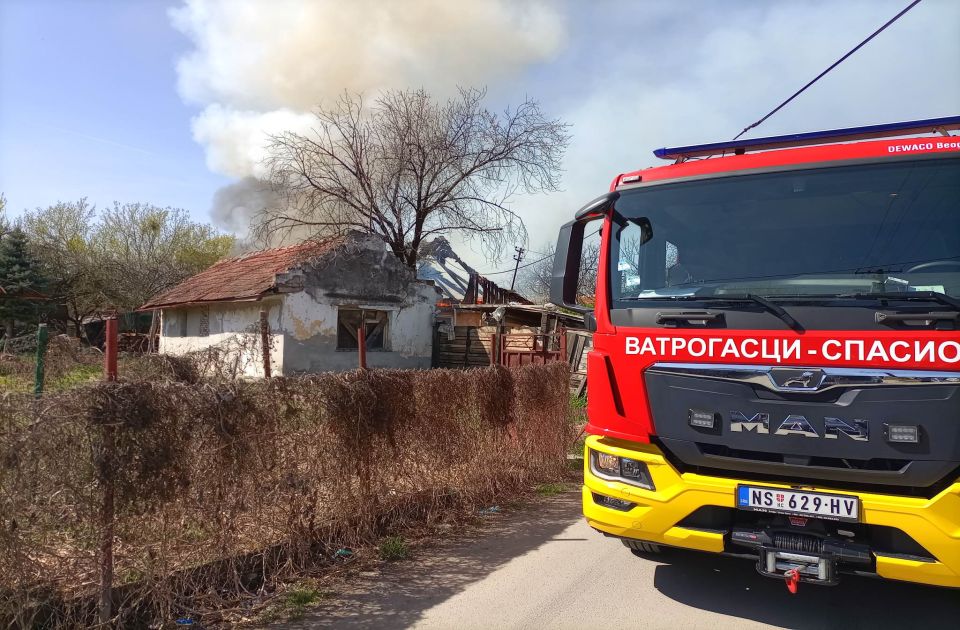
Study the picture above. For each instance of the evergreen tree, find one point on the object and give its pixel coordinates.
(22, 281)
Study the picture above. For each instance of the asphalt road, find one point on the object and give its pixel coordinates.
(543, 567)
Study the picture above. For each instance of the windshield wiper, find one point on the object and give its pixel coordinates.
(927, 296)
(772, 307)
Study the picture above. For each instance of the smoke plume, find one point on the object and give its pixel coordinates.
(258, 67)
(233, 205)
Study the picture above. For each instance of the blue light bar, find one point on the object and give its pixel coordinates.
(888, 130)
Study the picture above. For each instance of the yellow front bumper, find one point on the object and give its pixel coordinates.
(933, 523)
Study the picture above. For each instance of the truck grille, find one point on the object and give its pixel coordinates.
(877, 463)
(768, 435)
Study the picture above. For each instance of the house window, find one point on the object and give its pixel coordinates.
(374, 323)
(174, 323)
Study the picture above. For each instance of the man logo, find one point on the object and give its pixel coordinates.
(804, 380)
(793, 424)
(797, 379)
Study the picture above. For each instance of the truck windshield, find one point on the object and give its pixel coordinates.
(868, 228)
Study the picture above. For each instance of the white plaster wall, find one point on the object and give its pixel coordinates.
(229, 324)
(310, 329)
(305, 318)
(411, 333)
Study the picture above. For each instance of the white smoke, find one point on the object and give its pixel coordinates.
(235, 139)
(631, 76)
(701, 71)
(233, 205)
(259, 67)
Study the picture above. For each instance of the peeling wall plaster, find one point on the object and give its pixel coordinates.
(361, 274)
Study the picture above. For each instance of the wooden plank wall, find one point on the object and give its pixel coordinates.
(468, 348)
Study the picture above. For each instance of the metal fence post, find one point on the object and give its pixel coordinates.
(362, 346)
(106, 473)
(110, 349)
(265, 342)
(42, 337)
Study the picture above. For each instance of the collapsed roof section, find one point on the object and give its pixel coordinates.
(459, 282)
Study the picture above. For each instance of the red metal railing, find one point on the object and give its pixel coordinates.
(532, 348)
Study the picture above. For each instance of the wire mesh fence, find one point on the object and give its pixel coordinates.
(24, 344)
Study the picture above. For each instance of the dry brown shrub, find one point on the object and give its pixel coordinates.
(159, 367)
(223, 488)
(63, 355)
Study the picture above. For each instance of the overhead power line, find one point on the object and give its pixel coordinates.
(532, 262)
(832, 66)
(511, 270)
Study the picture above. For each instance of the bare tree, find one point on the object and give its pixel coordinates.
(119, 257)
(4, 226)
(144, 249)
(408, 168)
(60, 237)
(535, 279)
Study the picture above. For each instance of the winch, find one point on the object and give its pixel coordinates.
(800, 556)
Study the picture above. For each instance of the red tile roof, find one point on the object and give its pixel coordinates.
(245, 277)
(22, 294)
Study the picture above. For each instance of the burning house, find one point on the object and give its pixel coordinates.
(315, 297)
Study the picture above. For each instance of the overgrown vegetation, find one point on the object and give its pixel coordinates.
(551, 489)
(117, 257)
(292, 604)
(70, 364)
(393, 548)
(208, 493)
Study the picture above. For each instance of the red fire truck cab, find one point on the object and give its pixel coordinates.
(776, 363)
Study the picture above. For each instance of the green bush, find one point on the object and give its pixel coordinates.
(394, 548)
(551, 489)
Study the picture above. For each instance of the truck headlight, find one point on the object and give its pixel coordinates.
(607, 463)
(612, 467)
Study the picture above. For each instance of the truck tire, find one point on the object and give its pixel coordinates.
(641, 548)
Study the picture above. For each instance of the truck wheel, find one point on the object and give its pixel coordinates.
(641, 548)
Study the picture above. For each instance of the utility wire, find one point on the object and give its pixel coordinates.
(510, 270)
(532, 262)
(832, 66)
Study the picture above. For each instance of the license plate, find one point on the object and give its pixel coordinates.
(832, 507)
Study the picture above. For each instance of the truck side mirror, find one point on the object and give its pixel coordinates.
(566, 260)
(566, 267)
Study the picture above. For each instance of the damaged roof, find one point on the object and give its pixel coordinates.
(247, 277)
(567, 317)
(438, 262)
(455, 278)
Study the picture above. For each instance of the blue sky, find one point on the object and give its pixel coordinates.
(93, 103)
(89, 108)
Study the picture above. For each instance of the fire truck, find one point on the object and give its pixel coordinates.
(775, 372)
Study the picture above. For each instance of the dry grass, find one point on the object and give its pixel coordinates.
(222, 490)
